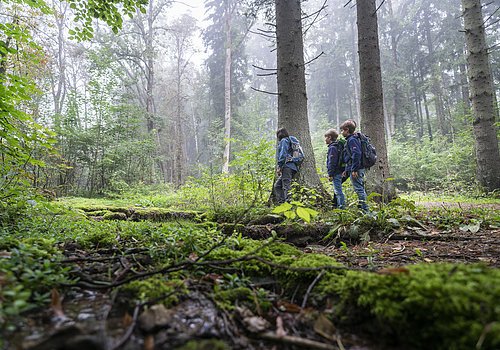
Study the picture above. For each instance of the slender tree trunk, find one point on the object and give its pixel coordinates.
(418, 104)
(337, 107)
(227, 89)
(481, 90)
(355, 81)
(464, 88)
(395, 85)
(179, 159)
(435, 72)
(292, 98)
(372, 106)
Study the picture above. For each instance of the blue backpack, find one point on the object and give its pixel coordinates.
(296, 154)
(368, 152)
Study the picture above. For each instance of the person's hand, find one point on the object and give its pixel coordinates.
(278, 171)
(330, 178)
(354, 174)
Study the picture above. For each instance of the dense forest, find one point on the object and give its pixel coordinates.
(138, 157)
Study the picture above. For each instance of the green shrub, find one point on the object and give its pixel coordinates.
(438, 164)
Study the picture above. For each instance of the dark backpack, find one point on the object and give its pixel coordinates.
(368, 152)
(297, 154)
(340, 144)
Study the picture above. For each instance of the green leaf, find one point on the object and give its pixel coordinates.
(290, 214)
(282, 208)
(312, 212)
(304, 214)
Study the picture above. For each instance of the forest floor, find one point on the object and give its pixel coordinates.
(90, 316)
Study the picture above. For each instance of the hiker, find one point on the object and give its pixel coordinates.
(352, 159)
(288, 161)
(335, 166)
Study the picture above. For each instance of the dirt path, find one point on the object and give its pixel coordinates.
(411, 248)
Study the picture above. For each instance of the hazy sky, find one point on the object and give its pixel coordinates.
(195, 7)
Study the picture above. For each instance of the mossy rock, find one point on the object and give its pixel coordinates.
(299, 235)
(438, 306)
(114, 216)
(161, 214)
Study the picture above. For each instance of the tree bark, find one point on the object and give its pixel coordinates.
(292, 98)
(372, 106)
(481, 90)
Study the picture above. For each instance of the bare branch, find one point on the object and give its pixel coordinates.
(264, 35)
(266, 92)
(492, 23)
(317, 13)
(261, 68)
(315, 58)
(379, 6)
(347, 4)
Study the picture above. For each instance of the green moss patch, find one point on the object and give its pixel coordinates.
(448, 306)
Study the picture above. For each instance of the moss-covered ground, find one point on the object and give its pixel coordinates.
(402, 276)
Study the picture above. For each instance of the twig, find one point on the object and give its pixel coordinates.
(311, 286)
(301, 342)
(129, 331)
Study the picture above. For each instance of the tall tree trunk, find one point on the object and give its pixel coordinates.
(372, 107)
(227, 88)
(481, 90)
(464, 89)
(435, 72)
(292, 98)
(179, 135)
(355, 81)
(395, 80)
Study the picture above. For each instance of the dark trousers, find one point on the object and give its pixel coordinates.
(283, 184)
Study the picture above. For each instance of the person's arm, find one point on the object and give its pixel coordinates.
(355, 147)
(283, 152)
(330, 160)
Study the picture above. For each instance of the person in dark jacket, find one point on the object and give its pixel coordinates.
(335, 166)
(352, 159)
(285, 167)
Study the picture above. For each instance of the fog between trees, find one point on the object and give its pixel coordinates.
(171, 95)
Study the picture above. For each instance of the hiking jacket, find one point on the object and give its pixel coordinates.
(284, 151)
(333, 158)
(352, 155)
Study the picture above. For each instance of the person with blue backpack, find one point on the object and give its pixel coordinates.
(289, 156)
(353, 159)
(335, 165)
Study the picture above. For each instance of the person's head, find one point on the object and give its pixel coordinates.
(331, 135)
(281, 133)
(348, 127)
